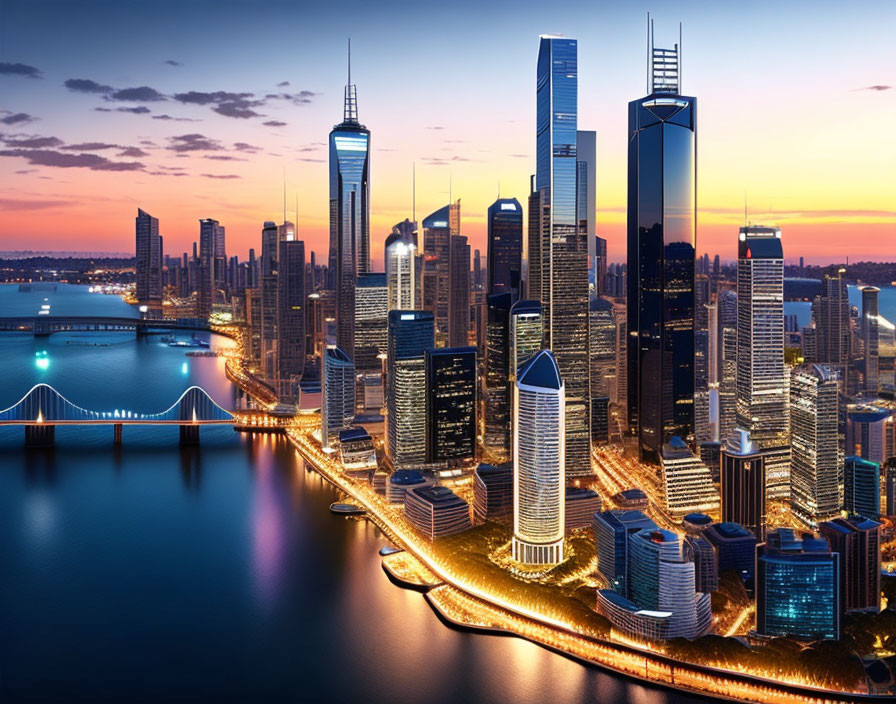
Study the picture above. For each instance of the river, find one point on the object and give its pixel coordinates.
(152, 573)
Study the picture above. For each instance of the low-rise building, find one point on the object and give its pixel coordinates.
(493, 492)
(436, 511)
(581, 505)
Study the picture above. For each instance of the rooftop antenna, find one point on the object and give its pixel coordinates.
(351, 94)
(414, 192)
(678, 52)
(284, 195)
(649, 49)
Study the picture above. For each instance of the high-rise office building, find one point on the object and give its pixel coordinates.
(539, 477)
(211, 264)
(493, 492)
(743, 483)
(371, 321)
(687, 482)
(586, 187)
(268, 330)
(438, 230)
(857, 541)
(762, 386)
(661, 250)
(861, 487)
(459, 294)
(797, 587)
(526, 333)
(290, 312)
(505, 247)
(148, 260)
(410, 335)
(816, 456)
(337, 395)
(890, 486)
(602, 329)
(869, 431)
(830, 313)
(735, 547)
(561, 242)
(349, 213)
(871, 338)
(497, 373)
(402, 277)
(450, 405)
(600, 266)
(611, 533)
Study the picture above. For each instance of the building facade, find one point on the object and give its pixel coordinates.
(505, 247)
(148, 260)
(451, 418)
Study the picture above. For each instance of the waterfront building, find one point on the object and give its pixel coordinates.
(212, 264)
(581, 506)
(697, 549)
(561, 243)
(815, 471)
(438, 230)
(661, 253)
(661, 579)
(695, 523)
(611, 533)
(871, 338)
(526, 333)
(410, 335)
(356, 450)
(687, 482)
(493, 492)
(735, 548)
(270, 246)
(505, 247)
(628, 617)
(743, 492)
(349, 213)
(797, 587)
(436, 512)
(857, 541)
(338, 395)
(148, 260)
(890, 487)
(253, 325)
(401, 481)
(539, 477)
(450, 404)
(290, 347)
(861, 487)
(763, 379)
(402, 273)
(371, 321)
(497, 373)
(869, 430)
(459, 293)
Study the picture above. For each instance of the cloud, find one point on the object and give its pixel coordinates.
(19, 118)
(435, 127)
(26, 171)
(196, 97)
(172, 62)
(283, 84)
(194, 143)
(224, 176)
(17, 69)
(133, 152)
(175, 119)
(49, 157)
(89, 147)
(32, 142)
(440, 161)
(223, 157)
(243, 147)
(312, 161)
(240, 109)
(141, 94)
(274, 123)
(138, 110)
(85, 85)
(303, 97)
(16, 204)
(877, 87)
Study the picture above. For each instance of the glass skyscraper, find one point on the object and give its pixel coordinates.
(450, 404)
(662, 185)
(349, 214)
(505, 246)
(497, 373)
(148, 260)
(290, 312)
(558, 262)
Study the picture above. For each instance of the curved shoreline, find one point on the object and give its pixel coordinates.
(643, 665)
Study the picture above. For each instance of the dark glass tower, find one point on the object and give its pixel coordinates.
(497, 373)
(560, 252)
(450, 404)
(505, 246)
(148, 260)
(662, 169)
(349, 214)
(290, 312)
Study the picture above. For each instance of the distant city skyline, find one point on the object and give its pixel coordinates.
(189, 130)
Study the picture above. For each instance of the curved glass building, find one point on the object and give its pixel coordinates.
(539, 458)
(662, 219)
(349, 214)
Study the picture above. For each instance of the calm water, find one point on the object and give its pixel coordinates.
(150, 573)
(886, 303)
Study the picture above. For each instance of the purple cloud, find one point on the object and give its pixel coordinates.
(141, 94)
(274, 123)
(94, 162)
(32, 142)
(172, 62)
(17, 69)
(19, 118)
(85, 85)
(133, 152)
(194, 143)
(89, 147)
(224, 176)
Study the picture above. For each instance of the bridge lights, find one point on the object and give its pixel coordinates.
(41, 360)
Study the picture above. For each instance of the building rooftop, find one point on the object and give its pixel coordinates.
(405, 477)
(354, 433)
(527, 306)
(436, 494)
(437, 219)
(485, 470)
(371, 279)
(730, 530)
(698, 519)
(541, 371)
(575, 492)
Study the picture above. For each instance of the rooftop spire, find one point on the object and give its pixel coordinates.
(664, 65)
(351, 93)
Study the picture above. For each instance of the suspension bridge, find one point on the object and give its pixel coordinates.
(43, 325)
(43, 408)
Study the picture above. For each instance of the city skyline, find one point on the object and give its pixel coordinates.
(786, 168)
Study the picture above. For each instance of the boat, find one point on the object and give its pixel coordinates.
(346, 509)
(389, 550)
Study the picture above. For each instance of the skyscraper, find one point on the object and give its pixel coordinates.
(269, 311)
(505, 246)
(603, 356)
(459, 292)
(438, 230)
(743, 483)
(400, 254)
(539, 458)
(861, 487)
(600, 265)
(410, 335)
(211, 264)
(661, 250)
(450, 405)
(871, 337)
(561, 241)
(371, 321)
(148, 260)
(830, 313)
(526, 333)
(687, 482)
(586, 187)
(497, 373)
(337, 395)
(762, 377)
(349, 213)
(857, 541)
(815, 464)
(290, 312)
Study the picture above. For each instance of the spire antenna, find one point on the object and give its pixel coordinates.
(284, 195)
(351, 93)
(414, 192)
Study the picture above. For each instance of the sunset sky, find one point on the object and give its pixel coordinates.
(196, 109)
